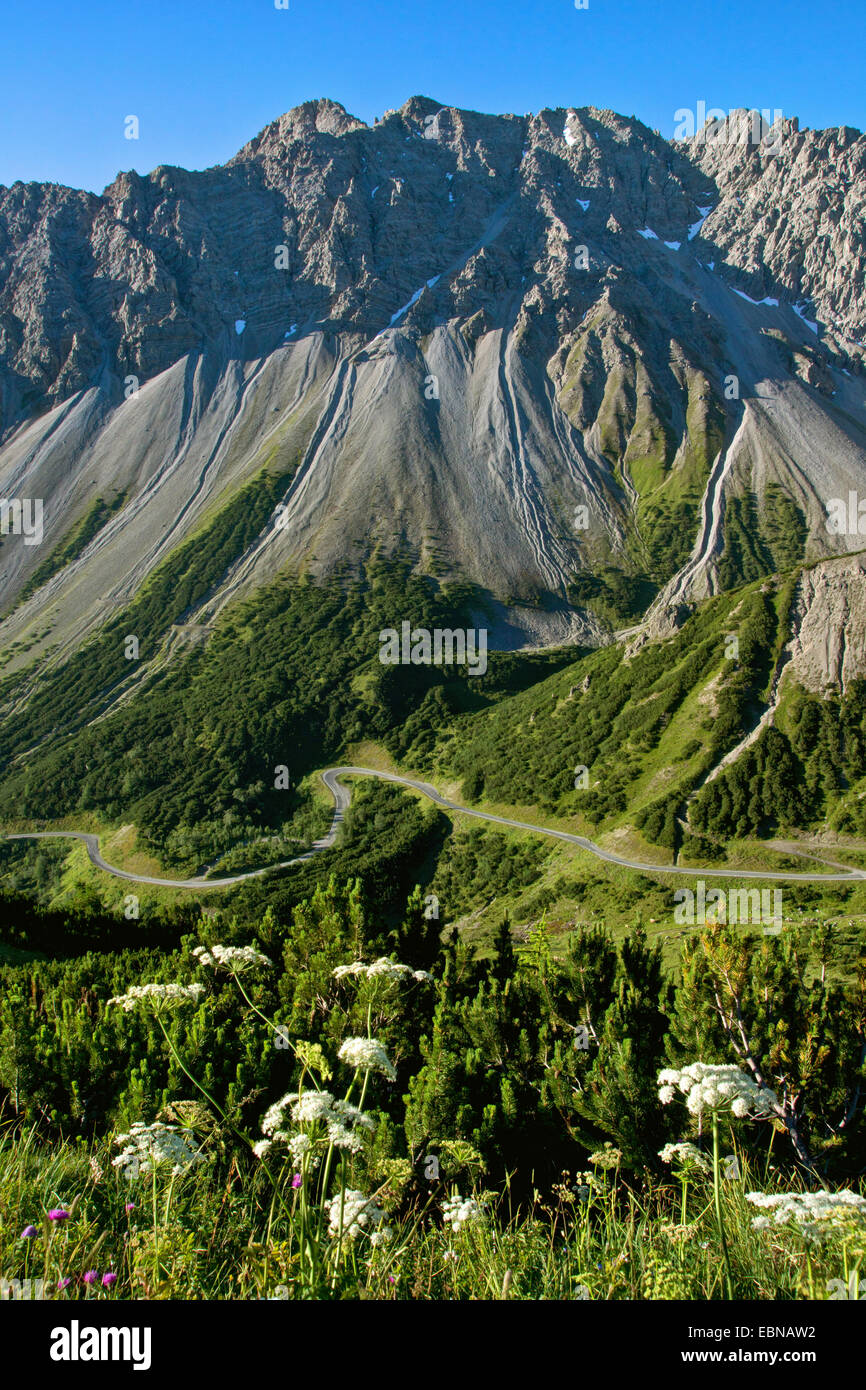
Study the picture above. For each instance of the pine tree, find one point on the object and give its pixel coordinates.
(619, 1100)
(752, 1001)
(416, 941)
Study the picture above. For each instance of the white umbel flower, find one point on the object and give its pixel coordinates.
(367, 1054)
(238, 959)
(149, 1146)
(299, 1144)
(274, 1115)
(815, 1214)
(343, 1123)
(359, 1214)
(310, 1106)
(684, 1156)
(162, 998)
(457, 1211)
(381, 969)
(356, 968)
(709, 1087)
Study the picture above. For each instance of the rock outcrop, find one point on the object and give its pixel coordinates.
(828, 649)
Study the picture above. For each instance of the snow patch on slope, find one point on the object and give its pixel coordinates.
(774, 303)
(808, 322)
(695, 228)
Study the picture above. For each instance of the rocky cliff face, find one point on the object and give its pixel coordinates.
(828, 647)
(529, 348)
(790, 215)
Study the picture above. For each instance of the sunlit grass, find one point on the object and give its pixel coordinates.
(217, 1233)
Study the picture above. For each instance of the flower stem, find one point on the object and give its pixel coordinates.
(717, 1196)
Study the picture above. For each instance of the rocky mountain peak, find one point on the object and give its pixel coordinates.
(452, 327)
(301, 123)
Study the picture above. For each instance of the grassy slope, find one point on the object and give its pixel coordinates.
(203, 739)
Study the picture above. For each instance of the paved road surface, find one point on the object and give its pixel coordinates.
(342, 795)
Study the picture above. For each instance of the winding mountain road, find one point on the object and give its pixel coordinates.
(342, 797)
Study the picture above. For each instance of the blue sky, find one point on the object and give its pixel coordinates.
(203, 76)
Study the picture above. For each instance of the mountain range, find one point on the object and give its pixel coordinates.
(556, 375)
(540, 353)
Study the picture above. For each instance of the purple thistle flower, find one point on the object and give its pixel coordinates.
(63, 1283)
(58, 1214)
(91, 1276)
(297, 1180)
(28, 1233)
(129, 1206)
(108, 1280)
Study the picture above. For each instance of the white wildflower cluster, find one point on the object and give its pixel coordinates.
(238, 959)
(685, 1156)
(383, 968)
(343, 1123)
(162, 997)
(367, 1054)
(815, 1214)
(307, 1108)
(709, 1087)
(608, 1157)
(359, 1214)
(149, 1146)
(457, 1211)
(299, 1145)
